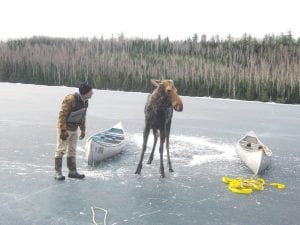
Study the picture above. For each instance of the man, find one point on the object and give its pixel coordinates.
(71, 116)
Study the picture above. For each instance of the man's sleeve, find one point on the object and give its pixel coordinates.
(64, 112)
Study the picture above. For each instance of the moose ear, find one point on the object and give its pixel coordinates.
(155, 82)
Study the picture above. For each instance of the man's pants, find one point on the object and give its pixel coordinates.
(69, 145)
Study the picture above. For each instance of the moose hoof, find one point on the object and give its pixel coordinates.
(149, 161)
(171, 170)
(138, 171)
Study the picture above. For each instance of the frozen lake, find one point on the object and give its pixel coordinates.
(202, 152)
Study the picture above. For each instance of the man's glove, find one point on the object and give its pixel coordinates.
(64, 135)
(82, 134)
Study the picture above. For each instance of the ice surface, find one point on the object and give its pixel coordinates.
(202, 151)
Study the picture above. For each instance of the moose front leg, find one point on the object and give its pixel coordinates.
(168, 128)
(168, 155)
(145, 140)
(161, 151)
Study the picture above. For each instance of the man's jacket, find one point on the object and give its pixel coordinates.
(72, 113)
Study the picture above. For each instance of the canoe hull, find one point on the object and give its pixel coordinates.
(105, 144)
(255, 154)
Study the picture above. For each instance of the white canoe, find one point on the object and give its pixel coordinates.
(255, 154)
(105, 144)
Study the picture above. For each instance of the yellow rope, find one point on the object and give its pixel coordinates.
(93, 211)
(247, 186)
(278, 185)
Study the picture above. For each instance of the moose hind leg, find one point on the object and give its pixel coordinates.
(155, 134)
(145, 139)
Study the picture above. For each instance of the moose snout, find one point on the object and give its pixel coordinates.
(178, 107)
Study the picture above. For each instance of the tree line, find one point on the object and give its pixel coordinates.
(247, 68)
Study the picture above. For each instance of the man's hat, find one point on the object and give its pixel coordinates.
(84, 88)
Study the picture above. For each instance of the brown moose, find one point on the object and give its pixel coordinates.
(158, 117)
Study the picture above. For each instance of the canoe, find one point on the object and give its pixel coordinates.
(255, 154)
(105, 144)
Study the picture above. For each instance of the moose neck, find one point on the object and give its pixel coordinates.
(160, 98)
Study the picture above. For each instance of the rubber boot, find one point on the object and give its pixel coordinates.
(58, 174)
(71, 163)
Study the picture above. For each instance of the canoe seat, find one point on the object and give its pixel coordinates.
(108, 138)
(250, 146)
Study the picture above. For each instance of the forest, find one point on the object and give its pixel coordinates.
(247, 68)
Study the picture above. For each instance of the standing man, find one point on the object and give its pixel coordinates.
(71, 116)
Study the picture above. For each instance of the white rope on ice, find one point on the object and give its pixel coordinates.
(93, 211)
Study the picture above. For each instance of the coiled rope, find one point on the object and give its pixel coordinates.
(104, 210)
(247, 186)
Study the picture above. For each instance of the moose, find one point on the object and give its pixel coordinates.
(158, 117)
